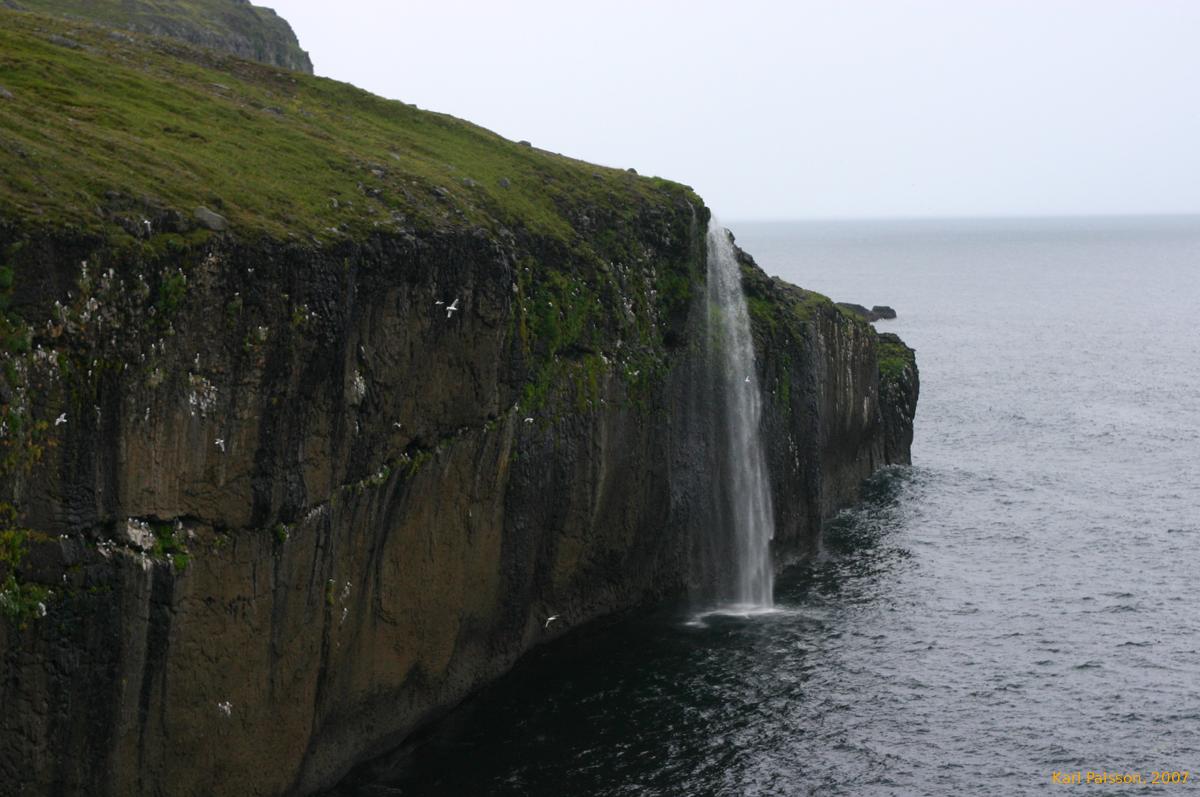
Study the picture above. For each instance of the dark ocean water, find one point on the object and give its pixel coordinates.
(1024, 600)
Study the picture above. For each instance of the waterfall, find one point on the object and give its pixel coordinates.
(751, 518)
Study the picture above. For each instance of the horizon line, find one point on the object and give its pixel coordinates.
(728, 220)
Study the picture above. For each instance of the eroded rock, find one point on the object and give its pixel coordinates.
(210, 219)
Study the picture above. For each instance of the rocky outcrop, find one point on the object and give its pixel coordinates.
(879, 312)
(232, 26)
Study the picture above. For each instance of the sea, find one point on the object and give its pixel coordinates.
(1017, 612)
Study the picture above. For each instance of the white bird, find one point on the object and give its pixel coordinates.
(450, 310)
(60, 420)
(220, 443)
(529, 420)
(397, 424)
(550, 620)
(747, 380)
(439, 302)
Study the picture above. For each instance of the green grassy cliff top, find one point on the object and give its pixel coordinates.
(99, 131)
(233, 25)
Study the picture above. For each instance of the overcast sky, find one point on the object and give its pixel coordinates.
(845, 108)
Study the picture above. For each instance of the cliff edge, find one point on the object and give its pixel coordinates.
(315, 406)
(233, 26)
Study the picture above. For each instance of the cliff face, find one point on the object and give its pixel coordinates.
(842, 400)
(276, 494)
(368, 506)
(371, 506)
(232, 26)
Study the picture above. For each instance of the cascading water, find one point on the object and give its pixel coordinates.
(750, 582)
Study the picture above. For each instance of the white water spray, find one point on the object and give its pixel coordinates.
(731, 352)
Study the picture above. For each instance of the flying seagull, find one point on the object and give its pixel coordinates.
(450, 310)
(220, 443)
(60, 420)
(550, 620)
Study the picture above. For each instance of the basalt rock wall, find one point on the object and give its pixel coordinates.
(285, 503)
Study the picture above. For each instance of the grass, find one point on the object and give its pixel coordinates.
(258, 32)
(168, 546)
(14, 545)
(98, 137)
(894, 356)
(118, 140)
(767, 307)
(129, 13)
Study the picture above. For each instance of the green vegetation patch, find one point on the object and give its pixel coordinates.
(167, 545)
(20, 601)
(894, 356)
(127, 136)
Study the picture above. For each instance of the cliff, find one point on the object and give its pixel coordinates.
(233, 26)
(316, 406)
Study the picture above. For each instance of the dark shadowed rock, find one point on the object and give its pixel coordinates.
(877, 313)
(336, 420)
(858, 310)
(211, 220)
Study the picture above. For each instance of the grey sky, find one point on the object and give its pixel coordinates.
(843, 108)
